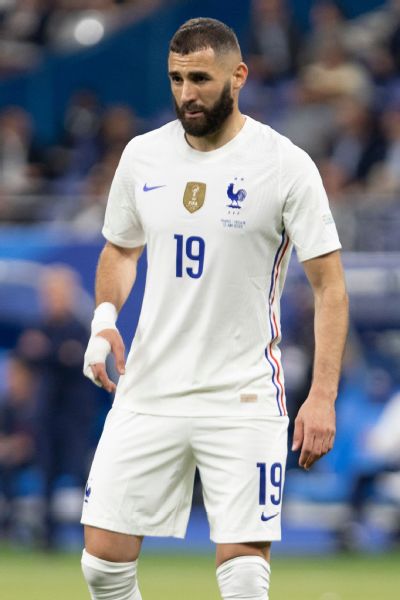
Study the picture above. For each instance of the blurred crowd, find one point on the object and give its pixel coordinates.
(77, 171)
(47, 416)
(28, 27)
(333, 89)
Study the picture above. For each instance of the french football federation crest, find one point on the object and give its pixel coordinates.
(194, 196)
(235, 197)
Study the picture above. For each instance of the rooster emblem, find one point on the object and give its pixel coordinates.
(235, 197)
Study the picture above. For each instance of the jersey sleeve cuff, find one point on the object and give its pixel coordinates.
(120, 241)
(318, 251)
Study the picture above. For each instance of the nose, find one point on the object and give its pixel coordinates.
(188, 93)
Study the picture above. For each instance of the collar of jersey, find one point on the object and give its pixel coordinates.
(233, 145)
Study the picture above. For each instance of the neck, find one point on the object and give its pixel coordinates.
(228, 131)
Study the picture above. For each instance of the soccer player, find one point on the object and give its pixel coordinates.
(219, 200)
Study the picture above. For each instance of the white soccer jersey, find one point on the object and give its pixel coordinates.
(219, 228)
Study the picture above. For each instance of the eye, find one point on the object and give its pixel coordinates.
(176, 79)
(200, 78)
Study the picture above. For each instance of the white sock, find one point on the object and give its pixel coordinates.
(110, 580)
(244, 578)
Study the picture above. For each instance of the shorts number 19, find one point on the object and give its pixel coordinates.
(275, 477)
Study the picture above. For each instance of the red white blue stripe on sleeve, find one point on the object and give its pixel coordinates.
(273, 360)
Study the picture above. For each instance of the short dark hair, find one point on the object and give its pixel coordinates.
(201, 33)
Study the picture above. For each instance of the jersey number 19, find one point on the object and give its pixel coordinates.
(193, 249)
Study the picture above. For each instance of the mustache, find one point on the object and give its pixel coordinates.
(191, 107)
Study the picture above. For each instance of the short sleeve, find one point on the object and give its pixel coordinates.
(122, 225)
(306, 214)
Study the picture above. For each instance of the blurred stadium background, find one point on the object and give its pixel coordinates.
(78, 79)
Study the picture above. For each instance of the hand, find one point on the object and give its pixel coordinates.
(100, 345)
(314, 430)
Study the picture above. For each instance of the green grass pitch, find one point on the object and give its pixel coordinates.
(37, 576)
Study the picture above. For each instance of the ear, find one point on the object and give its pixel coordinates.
(239, 76)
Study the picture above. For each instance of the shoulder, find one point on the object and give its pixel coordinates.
(139, 149)
(292, 159)
(296, 166)
(263, 137)
(152, 140)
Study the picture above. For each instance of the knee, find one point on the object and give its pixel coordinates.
(110, 580)
(95, 570)
(112, 546)
(244, 578)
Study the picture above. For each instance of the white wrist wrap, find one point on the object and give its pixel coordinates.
(105, 317)
(99, 348)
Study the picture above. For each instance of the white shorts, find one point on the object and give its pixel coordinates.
(141, 480)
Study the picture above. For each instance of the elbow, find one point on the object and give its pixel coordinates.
(335, 296)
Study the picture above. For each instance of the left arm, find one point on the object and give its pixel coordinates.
(314, 429)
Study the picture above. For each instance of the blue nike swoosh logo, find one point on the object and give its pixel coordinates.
(147, 188)
(264, 518)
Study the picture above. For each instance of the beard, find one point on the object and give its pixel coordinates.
(212, 118)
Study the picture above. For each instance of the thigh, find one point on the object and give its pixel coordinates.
(141, 480)
(241, 464)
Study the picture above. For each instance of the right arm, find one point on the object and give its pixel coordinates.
(115, 276)
(116, 272)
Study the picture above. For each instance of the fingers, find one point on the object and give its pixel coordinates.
(311, 451)
(118, 348)
(312, 445)
(327, 445)
(101, 377)
(97, 351)
(298, 435)
(315, 445)
(96, 354)
(314, 432)
(306, 456)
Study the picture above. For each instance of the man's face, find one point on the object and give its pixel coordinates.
(201, 89)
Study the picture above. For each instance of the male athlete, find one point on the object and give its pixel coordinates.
(219, 200)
